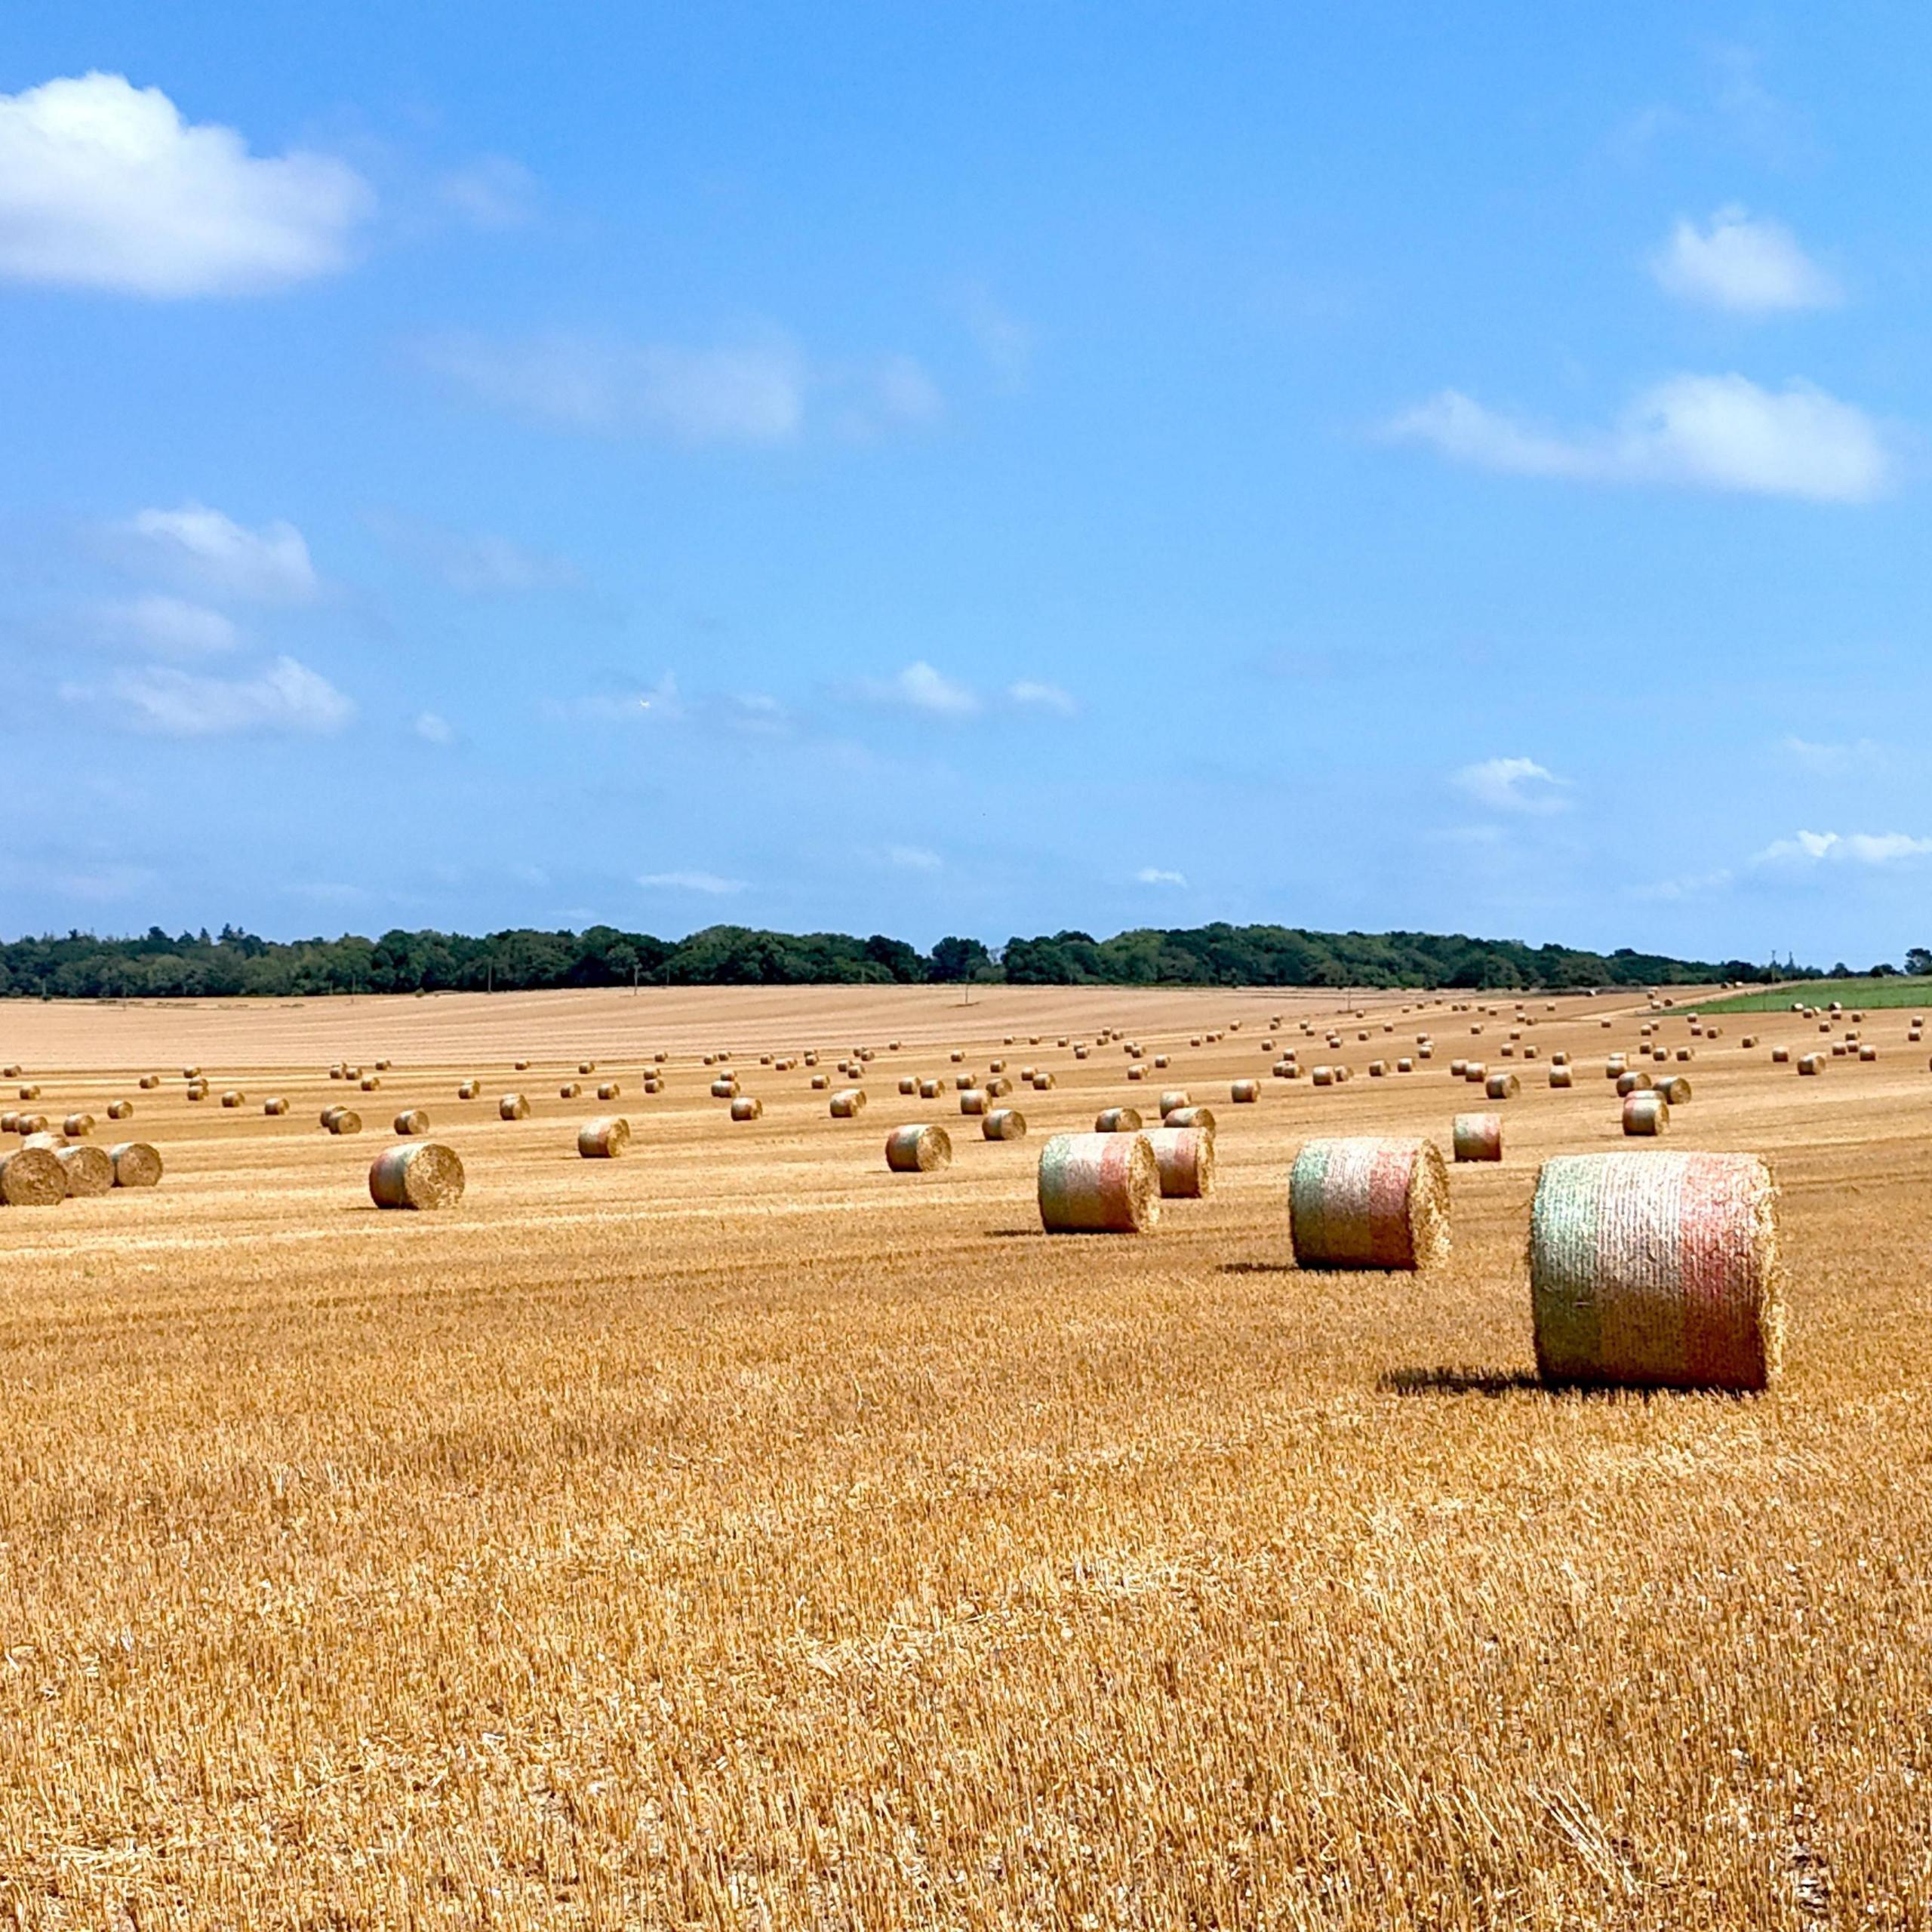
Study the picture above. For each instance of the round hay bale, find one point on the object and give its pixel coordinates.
(1868, 1053)
(586, 1066)
(135, 1164)
(191, 1073)
(908, 1084)
(605, 1138)
(523, 1065)
(423, 1174)
(1477, 1136)
(726, 1089)
(512, 1106)
(342, 1120)
(1118, 1120)
(1656, 1270)
(369, 1083)
(747, 1106)
(33, 1178)
(1185, 1157)
(1043, 1081)
(974, 1100)
(26, 1124)
(1099, 1183)
(120, 1110)
(1560, 1076)
(918, 1149)
(1244, 1093)
(820, 1082)
(1405, 1064)
(1475, 1073)
(958, 1055)
(275, 1105)
(999, 1066)
(609, 1090)
(961, 1081)
(1458, 1068)
(1502, 1087)
(1811, 1063)
(30, 1091)
(149, 1081)
(1137, 1072)
(383, 1066)
(1645, 1114)
(77, 1127)
(412, 1120)
(849, 1102)
(9, 1122)
(89, 1169)
(1160, 1063)
(1673, 1089)
(570, 1090)
(1635, 1081)
(999, 1087)
(1003, 1124)
(1201, 1118)
(930, 1090)
(1323, 1076)
(1080, 1053)
(51, 1142)
(467, 1090)
(1369, 1203)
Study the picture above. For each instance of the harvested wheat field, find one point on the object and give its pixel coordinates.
(739, 1533)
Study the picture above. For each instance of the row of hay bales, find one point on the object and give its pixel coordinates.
(44, 1170)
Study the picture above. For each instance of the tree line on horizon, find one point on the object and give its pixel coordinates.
(233, 963)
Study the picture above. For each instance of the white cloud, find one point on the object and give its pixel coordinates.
(1756, 265)
(1844, 848)
(1694, 885)
(170, 626)
(1828, 760)
(707, 882)
(479, 565)
(433, 728)
(103, 184)
(1006, 343)
(1714, 432)
(270, 565)
(660, 702)
(491, 191)
(913, 858)
(919, 687)
(1158, 875)
(1512, 785)
(759, 392)
(286, 697)
(1041, 697)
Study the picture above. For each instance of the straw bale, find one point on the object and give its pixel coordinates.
(1369, 1203)
(604, 1138)
(918, 1149)
(1477, 1136)
(1645, 1113)
(423, 1175)
(33, 1178)
(1003, 1124)
(1099, 1183)
(89, 1169)
(1185, 1158)
(135, 1164)
(1117, 1120)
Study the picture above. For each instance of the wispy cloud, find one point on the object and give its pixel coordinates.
(913, 858)
(632, 704)
(1713, 432)
(1512, 785)
(1160, 875)
(197, 545)
(433, 728)
(1033, 697)
(285, 697)
(1006, 343)
(492, 192)
(1806, 849)
(710, 883)
(1835, 760)
(920, 688)
(103, 185)
(1750, 264)
(474, 565)
(169, 627)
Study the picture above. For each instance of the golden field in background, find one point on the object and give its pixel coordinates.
(735, 1533)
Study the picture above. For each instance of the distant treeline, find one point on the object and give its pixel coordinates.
(196, 965)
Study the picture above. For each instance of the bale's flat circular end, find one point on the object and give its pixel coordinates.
(1099, 1183)
(135, 1164)
(1366, 1202)
(33, 1178)
(422, 1175)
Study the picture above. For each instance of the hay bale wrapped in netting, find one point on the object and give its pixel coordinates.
(975, 1100)
(275, 1105)
(1477, 1137)
(412, 1120)
(1185, 1156)
(1502, 1087)
(1202, 1118)
(89, 1169)
(1118, 1120)
(1003, 1124)
(1811, 1063)
(120, 1110)
(1675, 1088)
(341, 1120)
(77, 1127)
(848, 1103)
(908, 1085)
(1369, 1203)
(1099, 1183)
(1645, 1115)
(33, 1178)
(512, 1106)
(1560, 1076)
(1657, 1271)
(135, 1164)
(605, 1138)
(918, 1149)
(423, 1174)
(1242, 1092)
(747, 1106)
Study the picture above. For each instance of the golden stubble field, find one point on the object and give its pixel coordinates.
(737, 1534)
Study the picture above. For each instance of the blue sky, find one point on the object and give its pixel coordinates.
(967, 470)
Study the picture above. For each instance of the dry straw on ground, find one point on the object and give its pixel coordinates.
(1369, 1203)
(1656, 1270)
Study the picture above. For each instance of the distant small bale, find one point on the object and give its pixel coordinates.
(820, 1081)
(233, 1097)
(1656, 1270)
(848, 1103)
(1377, 1070)
(196, 1090)
(370, 1082)
(1003, 1124)
(1185, 1158)
(1369, 1203)
(724, 1088)
(30, 1090)
(1405, 1066)
(1118, 1120)
(1043, 1081)
(512, 1106)
(1244, 1093)
(341, 1120)
(961, 1081)
(1811, 1063)
(1502, 1087)
(570, 1090)
(89, 1170)
(1867, 1053)
(586, 1066)
(1081, 1052)
(1099, 1183)
(1476, 1072)
(1160, 1063)
(33, 1178)
(918, 1149)
(148, 1082)
(1477, 1136)
(191, 1073)
(412, 1120)
(1673, 1089)
(120, 1110)
(423, 1175)
(609, 1090)
(1323, 1076)
(1200, 1118)
(1458, 1068)
(909, 1084)
(275, 1105)
(605, 1138)
(467, 1090)
(135, 1164)
(974, 1100)
(77, 1127)
(1560, 1076)
(930, 1090)
(520, 1066)
(1635, 1081)
(747, 1106)
(1645, 1114)
(383, 1066)
(957, 1055)
(1136, 1072)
